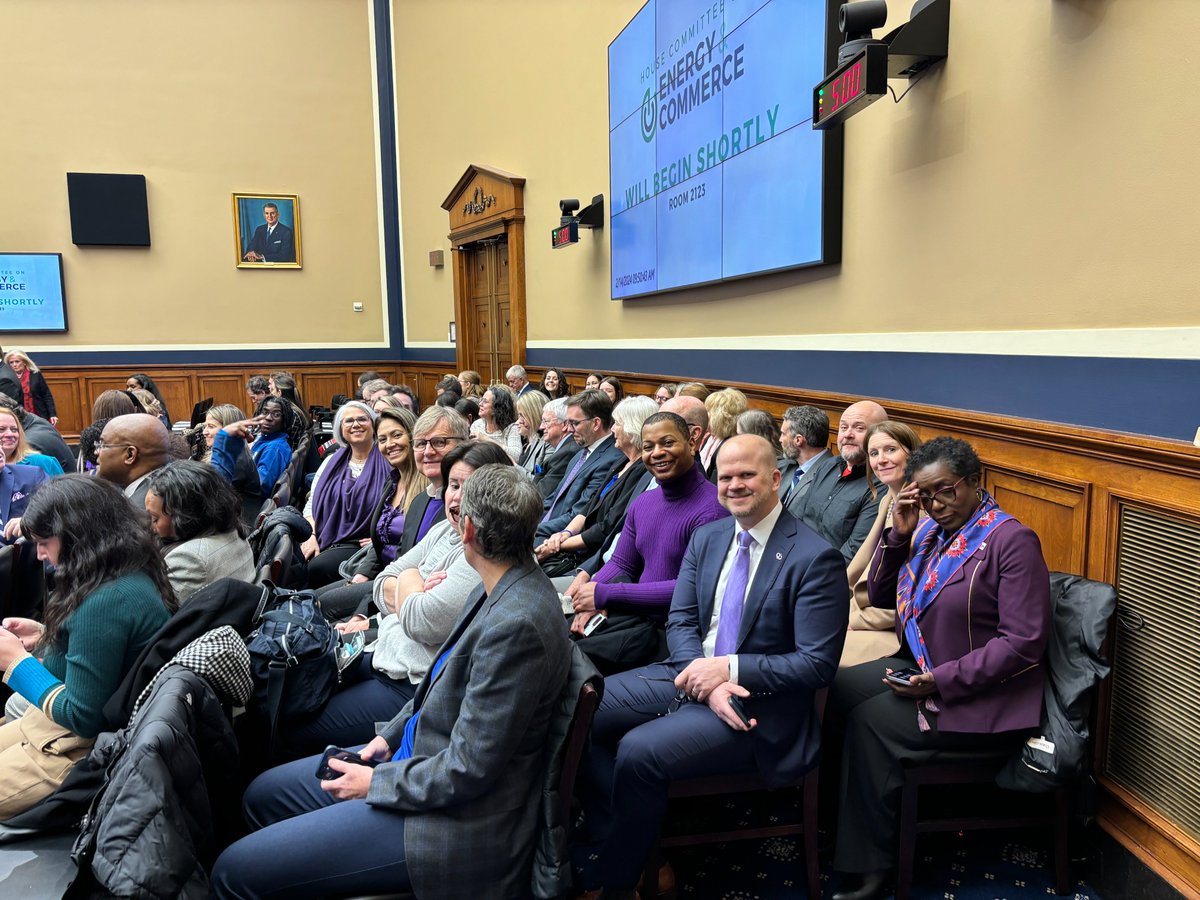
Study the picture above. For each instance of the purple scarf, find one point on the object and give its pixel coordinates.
(343, 504)
(931, 565)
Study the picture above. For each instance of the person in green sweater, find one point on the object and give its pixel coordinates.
(111, 597)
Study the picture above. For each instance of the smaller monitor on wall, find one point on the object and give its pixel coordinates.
(108, 210)
(32, 297)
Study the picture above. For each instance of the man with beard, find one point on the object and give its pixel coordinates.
(839, 504)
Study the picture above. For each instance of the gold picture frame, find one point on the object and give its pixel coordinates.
(264, 238)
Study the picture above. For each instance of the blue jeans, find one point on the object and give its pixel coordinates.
(306, 844)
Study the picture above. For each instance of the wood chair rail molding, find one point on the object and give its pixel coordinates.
(1069, 483)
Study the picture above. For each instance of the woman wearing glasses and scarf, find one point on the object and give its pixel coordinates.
(345, 492)
(972, 599)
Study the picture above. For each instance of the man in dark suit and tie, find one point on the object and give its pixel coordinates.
(562, 447)
(452, 811)
(759, 614)
(273, 241)
(129, 449)
(589, 419)
(518, 381)
(805, 439)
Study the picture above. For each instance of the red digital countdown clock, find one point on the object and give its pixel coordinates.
(564, 235)
(851, 88)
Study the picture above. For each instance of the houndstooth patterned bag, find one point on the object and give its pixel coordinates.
(221, 658)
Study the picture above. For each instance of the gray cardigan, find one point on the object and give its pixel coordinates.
(409, 640)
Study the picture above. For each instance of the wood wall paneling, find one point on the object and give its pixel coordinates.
(318, 388)
(68, 400)
(1056, 508)
(223, 388)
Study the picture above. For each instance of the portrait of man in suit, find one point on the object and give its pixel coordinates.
(757, 621)
(267, 230)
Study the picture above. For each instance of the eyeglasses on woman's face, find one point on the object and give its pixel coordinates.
(944, 496)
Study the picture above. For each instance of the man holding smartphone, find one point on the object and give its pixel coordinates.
(450, 810)
(759, 614)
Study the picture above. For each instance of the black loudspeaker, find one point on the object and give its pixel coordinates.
(108, 210)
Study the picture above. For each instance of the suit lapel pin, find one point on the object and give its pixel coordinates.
(779, 556)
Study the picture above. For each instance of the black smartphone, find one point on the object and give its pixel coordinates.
(331, 752)
(901, 676)
(738, 705)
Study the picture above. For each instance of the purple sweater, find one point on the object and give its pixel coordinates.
(650, 551)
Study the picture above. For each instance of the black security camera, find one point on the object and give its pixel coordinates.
(568, 207)
(856, 21)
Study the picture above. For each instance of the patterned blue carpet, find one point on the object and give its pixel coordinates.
(997, 865)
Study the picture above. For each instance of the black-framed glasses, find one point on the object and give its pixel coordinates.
(437, 443)
(945, 496)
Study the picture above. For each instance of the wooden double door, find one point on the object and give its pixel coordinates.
(486, 335)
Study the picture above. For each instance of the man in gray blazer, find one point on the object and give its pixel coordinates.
(838, 502)
(452, 810)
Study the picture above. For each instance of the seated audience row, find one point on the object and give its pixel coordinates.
(726, 594)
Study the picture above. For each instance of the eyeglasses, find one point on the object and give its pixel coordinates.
(103, 445)
(945, 496)
(357, 420)
(438, 443)
(575, 423)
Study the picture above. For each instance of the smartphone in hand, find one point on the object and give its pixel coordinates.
(325, 773)
(738, 705)
(901, 676)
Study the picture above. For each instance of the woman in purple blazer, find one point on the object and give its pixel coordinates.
(972, 604)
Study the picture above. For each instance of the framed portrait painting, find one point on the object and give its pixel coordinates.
(266, 231)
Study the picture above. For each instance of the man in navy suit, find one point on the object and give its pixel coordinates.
(518, 381)
(273, 241)
(562, 448)
(589, 419)
(17, 484)
(759, 613)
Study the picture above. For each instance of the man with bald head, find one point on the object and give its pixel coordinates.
(758, 615)
(692, 411)
(838, 502)
(129, 449)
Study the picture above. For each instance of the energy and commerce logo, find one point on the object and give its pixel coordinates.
(649, 115)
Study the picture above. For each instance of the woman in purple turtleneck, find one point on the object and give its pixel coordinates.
(634, 587)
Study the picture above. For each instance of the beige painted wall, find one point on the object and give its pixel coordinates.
(204, 98)
(1043, 178)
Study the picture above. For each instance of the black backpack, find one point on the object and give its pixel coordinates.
(293, 658)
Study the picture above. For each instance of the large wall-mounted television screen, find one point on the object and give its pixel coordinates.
(715, 170)
(32, 297)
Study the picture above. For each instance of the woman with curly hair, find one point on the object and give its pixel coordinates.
(111, 596)
(497, 420)
(554, 383)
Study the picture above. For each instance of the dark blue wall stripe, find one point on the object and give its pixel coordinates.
(1144, 396)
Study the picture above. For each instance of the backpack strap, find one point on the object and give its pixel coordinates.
(276, 675)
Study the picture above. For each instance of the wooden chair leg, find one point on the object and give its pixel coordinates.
(811, 863)
(650, 871)
(907, 850)
(1062, 850)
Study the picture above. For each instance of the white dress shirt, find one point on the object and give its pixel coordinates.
(759, 533)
